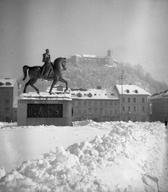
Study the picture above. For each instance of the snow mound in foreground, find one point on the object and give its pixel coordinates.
(129, 158)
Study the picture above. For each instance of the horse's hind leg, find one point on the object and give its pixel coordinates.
(32, 82)
(25, 87)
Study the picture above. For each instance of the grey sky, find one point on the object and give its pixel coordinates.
(135, 30)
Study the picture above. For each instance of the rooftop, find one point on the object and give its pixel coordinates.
(7, 82)
(163, 94)
(87, 93)
(131, 90)
(93, 94)
(87, 55)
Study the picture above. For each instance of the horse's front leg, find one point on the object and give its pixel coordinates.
(66, 83)
(52, 85)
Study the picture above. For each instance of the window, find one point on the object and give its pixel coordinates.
(7, 109)
(123, 108)
(89, 109)
(79, 94)
(143, 100)
(123, 99)
(134, 100)
(128, 100)
(8, 83)
(129, 108)
(7, 101)
(143, 108)
(134, 108)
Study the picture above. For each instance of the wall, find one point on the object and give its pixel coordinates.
(159, 109)
(6, 103)
(95, 109)
(134, 108)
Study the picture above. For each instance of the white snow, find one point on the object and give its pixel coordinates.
(122, 157)
(46, 95)
(131, 90)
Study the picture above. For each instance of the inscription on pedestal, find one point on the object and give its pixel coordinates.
(44, 110)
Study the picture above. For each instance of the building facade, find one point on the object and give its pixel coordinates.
(95, 104)
(7, 103)
(134, 102)
(159, 107)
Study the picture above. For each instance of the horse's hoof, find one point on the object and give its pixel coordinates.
(66, 91)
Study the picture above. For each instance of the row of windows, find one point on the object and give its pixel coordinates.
(133, 109)
(105, 103)
(134, 100)
(95, 111)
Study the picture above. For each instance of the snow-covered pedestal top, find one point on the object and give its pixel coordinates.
(45, 95)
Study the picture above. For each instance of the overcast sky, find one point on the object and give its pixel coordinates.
(135, 30)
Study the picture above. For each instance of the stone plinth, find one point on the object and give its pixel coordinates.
(44, 109)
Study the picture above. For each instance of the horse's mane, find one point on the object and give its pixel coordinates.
(58, 59)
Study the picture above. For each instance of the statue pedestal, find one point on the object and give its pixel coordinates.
(44, 109)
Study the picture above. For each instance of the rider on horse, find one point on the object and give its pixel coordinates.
(47, 67)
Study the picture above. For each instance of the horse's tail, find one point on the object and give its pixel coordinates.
(25, 68)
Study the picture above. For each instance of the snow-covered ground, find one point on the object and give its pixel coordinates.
(89, 156)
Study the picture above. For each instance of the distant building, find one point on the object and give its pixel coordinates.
(92, 59)
(123, 102)
(8, 95)
(159, 106)
(134, 103)
(95, 104)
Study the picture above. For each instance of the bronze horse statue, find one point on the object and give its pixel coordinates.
(55, 75)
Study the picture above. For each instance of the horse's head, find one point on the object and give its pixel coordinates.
(63, 62)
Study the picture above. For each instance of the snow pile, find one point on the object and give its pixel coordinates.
(129, 158)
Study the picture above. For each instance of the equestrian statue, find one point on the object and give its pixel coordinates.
(49, 71)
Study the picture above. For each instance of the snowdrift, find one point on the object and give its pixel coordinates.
(131, 157)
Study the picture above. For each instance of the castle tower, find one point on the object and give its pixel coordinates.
(108, 53)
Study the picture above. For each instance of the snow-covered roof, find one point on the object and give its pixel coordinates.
(163, 94)
(77, 55)
(91, 56)
(7, 82)
(131, 90)
(93, 94)
(86, 93)
(45, 96)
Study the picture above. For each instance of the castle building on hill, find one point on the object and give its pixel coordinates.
(93, 59)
